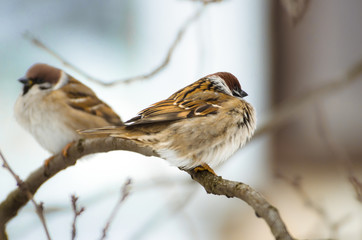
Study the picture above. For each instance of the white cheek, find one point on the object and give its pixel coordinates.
(34, 92)
(62, 81)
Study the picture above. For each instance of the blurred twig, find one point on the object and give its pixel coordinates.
(208, 1)
(37, 42)
(180, 34)
(296, 184)
(124, 195)
(292, 107)
(23, 187)
(77, 212)
(338, 151)
(174, 204)
(295, 9)
(357, 185)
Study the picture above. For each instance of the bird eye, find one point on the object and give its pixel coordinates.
(37, 81)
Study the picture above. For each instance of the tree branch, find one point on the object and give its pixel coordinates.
(124, 194)
(290, 108)
(332, 225)
(77, 212)
(338, 151)
(219, 186)
(23, 187)
(180, 34)
(295, 9)
(213, 184)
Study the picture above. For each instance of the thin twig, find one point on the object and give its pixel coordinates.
(175, 205)
(65, 62)
(124, 194)
(357, 185)
(23, 187)
(294, 106)
(339, 152)
(296, 184)
(295, 9)
(209, 1)
(180, 34)
(77, 212)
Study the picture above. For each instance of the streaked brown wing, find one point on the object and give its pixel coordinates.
(84, 99)
(195, 100)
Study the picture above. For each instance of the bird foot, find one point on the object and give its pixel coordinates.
(47, 161)
(204, 167)
(64, 154)
(65, 149)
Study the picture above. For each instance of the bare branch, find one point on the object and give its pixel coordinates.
(294, 106)
(77, 212)
(295, 9)
(208, 1)
(339, 152)
(164, 63)
(124, 195)
(23, 187)
(296, 184)
(357, 185)
(18, 198)
(65, 62)
(219, 186)
(175, 205)
(88, 146)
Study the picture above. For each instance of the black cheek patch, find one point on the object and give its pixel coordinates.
(26, 89)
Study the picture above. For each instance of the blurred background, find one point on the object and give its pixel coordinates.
(303, 166)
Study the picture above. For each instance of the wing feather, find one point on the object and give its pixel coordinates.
(195, 100)
(84, 99)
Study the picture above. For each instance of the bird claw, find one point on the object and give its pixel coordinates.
(64, 154)
(47, 161)
(65, 149)
(204, 167)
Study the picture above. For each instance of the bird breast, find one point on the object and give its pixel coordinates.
(211, 139)
(43, 118)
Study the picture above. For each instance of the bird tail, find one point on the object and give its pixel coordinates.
(109, 131)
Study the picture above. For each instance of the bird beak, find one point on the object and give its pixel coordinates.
(243, 93)
(239, 93)
(26, 81)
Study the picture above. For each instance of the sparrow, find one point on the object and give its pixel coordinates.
(198, 127)
(53, 105)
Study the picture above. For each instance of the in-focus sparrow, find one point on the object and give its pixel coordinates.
(53, 105)
(202, 124)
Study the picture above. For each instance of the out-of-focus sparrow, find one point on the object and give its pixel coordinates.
(202, 124)
(53, 105)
